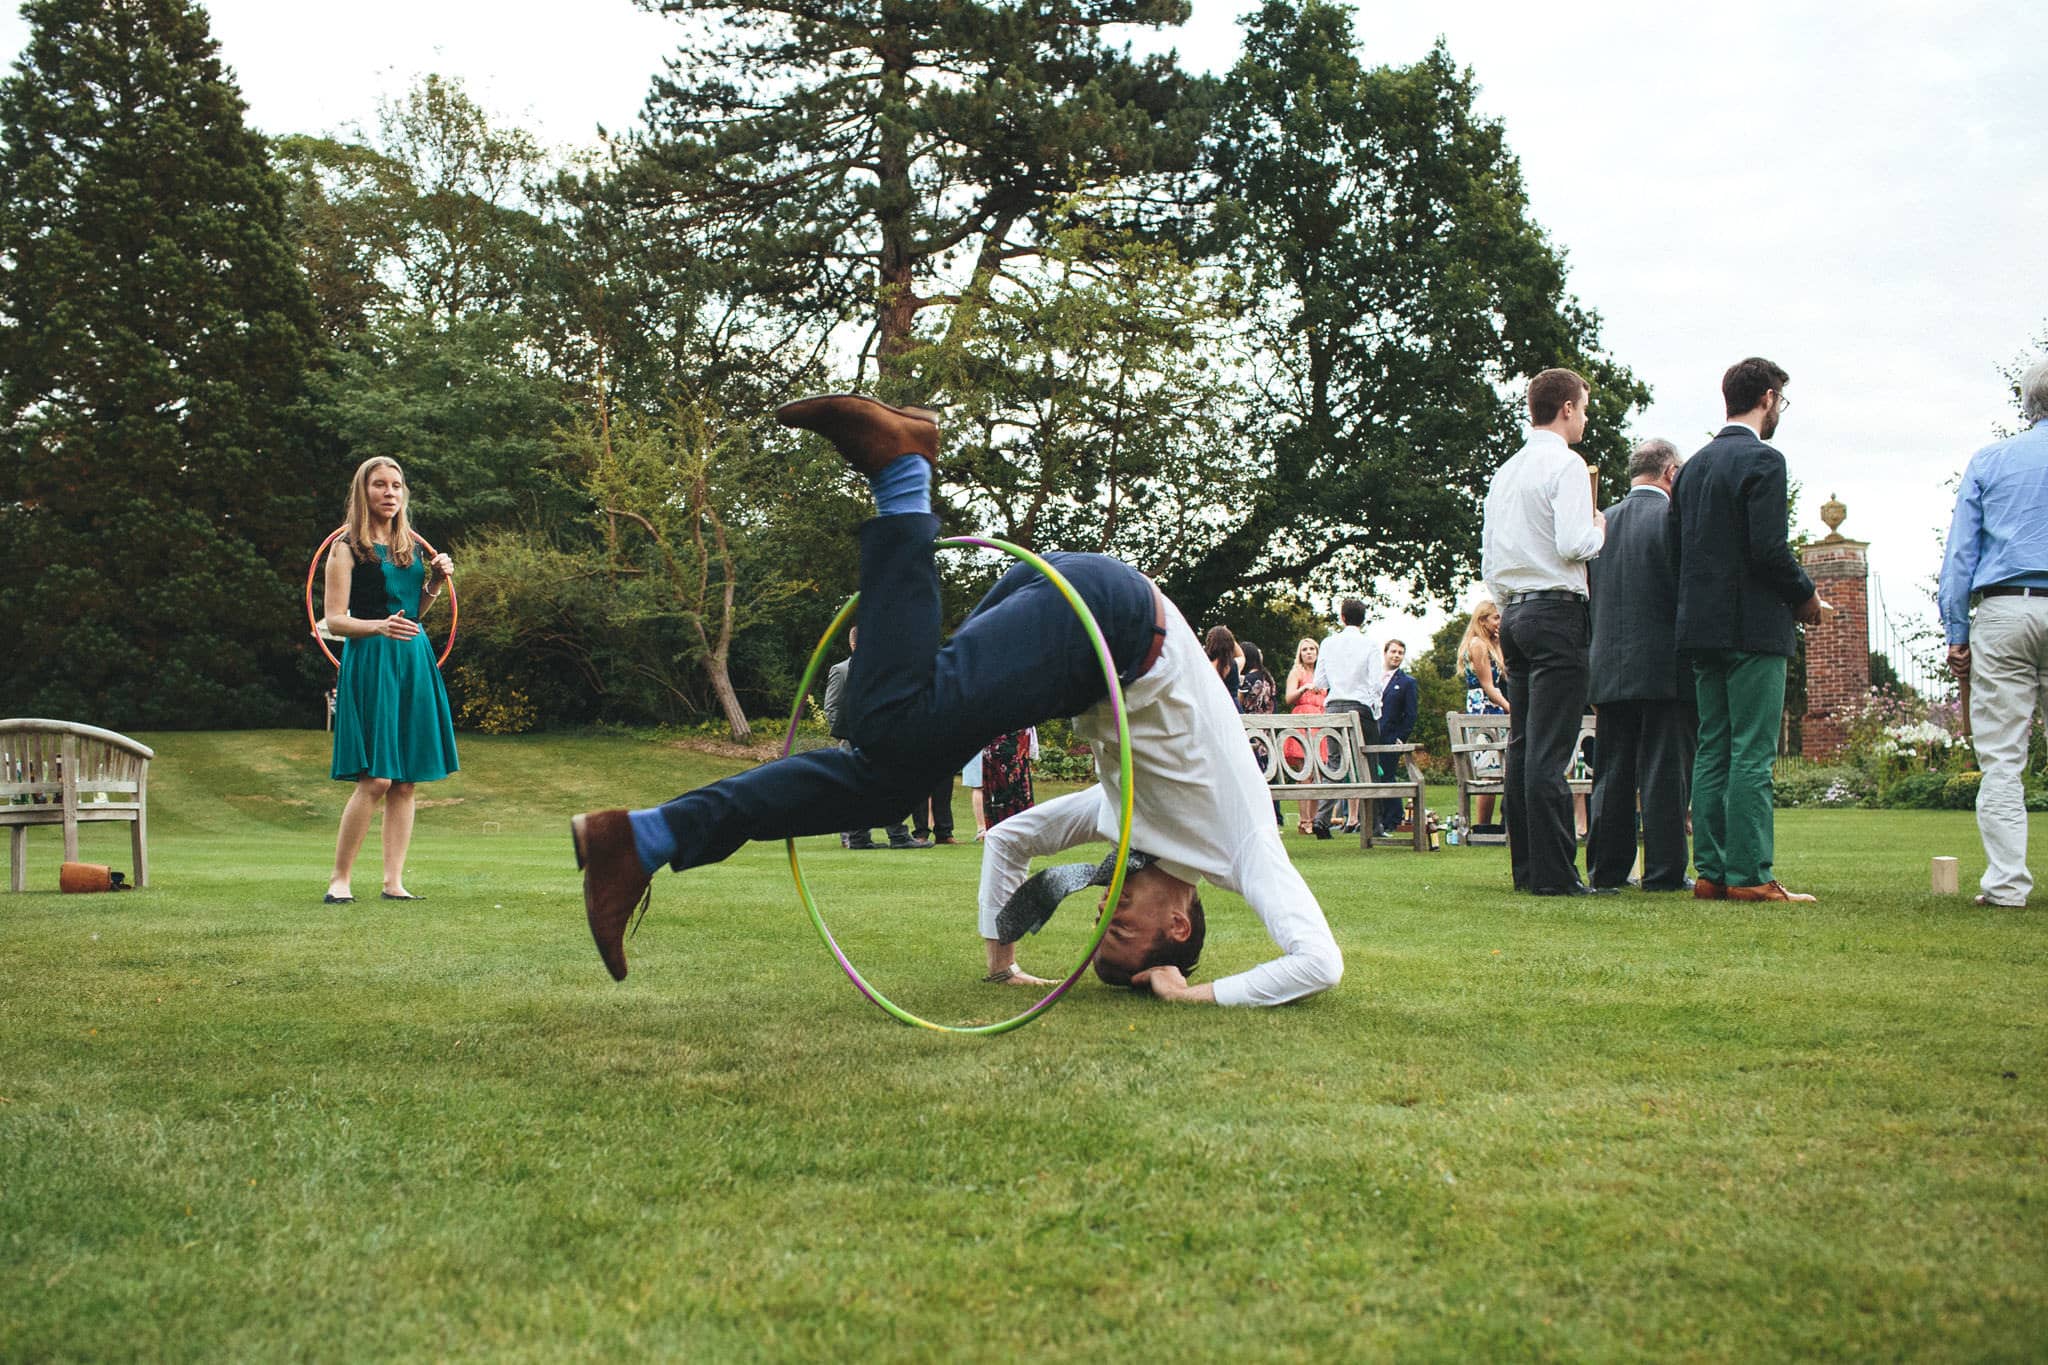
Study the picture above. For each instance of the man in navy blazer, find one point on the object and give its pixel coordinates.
(1740, 590)
(1400, 702)
(1643, 695)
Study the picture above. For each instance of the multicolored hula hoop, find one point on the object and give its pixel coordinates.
(1123, 845)
(313, 622)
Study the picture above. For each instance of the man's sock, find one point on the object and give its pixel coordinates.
(652, 839)
(902, 485)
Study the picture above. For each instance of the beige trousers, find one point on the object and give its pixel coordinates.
(2008, 683)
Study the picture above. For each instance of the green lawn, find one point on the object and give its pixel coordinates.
(238, 1124)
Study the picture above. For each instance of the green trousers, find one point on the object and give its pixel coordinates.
(1742, 701)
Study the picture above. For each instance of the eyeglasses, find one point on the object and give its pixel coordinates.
(1783, 401)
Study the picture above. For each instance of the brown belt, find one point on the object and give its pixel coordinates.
(1158, 634)
(2013, 590)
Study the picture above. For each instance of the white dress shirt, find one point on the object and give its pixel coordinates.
(1353, 668)
(1200, 808)
(1539, 529)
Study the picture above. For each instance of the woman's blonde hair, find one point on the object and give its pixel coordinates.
(1299, 666)
(357, 517)
(1489, 645)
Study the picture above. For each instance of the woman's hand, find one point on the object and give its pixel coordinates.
(444, 566)
(398, 627)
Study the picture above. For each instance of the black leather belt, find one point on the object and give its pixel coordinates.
(2014, 590)
(1515, 599)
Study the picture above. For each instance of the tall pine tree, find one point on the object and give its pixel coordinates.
(883, 162)
(158, 490)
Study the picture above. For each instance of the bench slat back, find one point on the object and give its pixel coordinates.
(1473, 735)
(1325, 748)
(56, 762)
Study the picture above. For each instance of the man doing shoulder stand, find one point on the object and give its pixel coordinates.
(1647, 721)
(916, 709)
(1740, 589)
(1541, 527)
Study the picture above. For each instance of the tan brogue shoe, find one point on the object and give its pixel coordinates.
(1769, 891)
(867, 432)
(1704, 889)
(614, 883)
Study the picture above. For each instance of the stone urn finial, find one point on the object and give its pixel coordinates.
(1833, 512)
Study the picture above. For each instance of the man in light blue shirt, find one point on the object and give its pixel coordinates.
(1998, 551)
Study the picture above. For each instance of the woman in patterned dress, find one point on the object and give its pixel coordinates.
(1006, 775)
(1486, 674)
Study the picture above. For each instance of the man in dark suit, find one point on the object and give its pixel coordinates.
(1740, 589)
(835, 711)
(1399, 705)
(1647, 721)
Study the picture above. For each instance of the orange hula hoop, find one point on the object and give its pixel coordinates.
(313, 622)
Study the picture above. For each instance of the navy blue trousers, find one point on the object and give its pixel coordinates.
(917, 710)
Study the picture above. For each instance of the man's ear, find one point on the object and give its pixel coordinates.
(1179, 925)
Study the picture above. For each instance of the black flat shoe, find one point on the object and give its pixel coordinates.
(389, 897)
(331, 899)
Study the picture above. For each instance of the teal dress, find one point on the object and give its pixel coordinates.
(391, 715)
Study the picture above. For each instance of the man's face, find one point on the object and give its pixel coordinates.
(1774, 408)
(1153, 904)
(1575, 415)
(1396, 652)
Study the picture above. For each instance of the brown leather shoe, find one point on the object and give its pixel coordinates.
(1705, 890)
(868, 432)
(614, 883)
(1769, 891)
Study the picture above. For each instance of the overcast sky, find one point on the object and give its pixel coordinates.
(1846, 190)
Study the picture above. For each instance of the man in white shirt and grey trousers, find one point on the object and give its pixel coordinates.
(1540, 529)
(1350, 668)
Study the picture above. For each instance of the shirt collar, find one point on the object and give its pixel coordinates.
(1539, 434)
(1732, 422)
(1636, 488)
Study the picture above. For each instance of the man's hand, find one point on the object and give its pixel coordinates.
(1167, 982)
(1959, 660)
(1600, 521)
(1813, 610)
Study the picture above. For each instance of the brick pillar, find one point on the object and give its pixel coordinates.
(1837, 650)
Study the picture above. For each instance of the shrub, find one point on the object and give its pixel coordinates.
(1914, 791)
(1821, 786)
(1960, 791)
(494, 707)
(1057, 756)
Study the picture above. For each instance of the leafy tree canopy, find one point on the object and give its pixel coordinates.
(154, 338)
(1397, 295)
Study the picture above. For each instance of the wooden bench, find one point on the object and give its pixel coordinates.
(57, 772)
(1332, 765)
(1479, 747)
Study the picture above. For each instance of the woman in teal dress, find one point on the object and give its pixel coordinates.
(392, 726)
